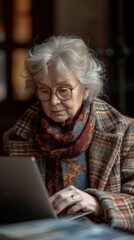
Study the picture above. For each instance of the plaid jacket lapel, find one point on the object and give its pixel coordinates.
(102, 156)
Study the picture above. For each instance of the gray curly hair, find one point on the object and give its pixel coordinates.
(71, 57)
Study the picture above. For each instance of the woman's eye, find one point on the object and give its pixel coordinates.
(63, 91)
(45, 92)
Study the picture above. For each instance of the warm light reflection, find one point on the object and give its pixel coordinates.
(3, 83)
(22, 21)
(22, 28)
(18, 81)
(22, 5)
(2, 33)
(2, 24)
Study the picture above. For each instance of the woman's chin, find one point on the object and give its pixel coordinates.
(59, 120)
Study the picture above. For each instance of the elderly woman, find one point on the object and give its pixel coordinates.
(83, 146)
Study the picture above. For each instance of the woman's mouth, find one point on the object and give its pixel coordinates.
(57, 111)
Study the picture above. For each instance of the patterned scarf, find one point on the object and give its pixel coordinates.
(65, 149)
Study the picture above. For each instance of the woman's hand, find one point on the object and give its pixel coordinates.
(74, 200)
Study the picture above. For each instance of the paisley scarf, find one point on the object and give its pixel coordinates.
(64, 149)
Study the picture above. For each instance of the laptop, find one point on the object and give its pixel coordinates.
(23, 194)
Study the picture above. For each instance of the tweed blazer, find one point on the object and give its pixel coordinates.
(110, 159)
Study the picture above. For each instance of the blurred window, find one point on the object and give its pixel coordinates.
(18, 80)
(22, 34)
(3, 83)
(2, 27)
(22, 22)
(16, 29)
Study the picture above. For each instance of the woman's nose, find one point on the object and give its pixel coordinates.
(54, 99)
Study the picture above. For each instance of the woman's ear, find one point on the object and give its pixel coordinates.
(86, 94)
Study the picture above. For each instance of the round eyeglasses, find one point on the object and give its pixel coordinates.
(63, 93)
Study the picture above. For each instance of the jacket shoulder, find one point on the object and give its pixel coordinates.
(109, 118)
(24, 128)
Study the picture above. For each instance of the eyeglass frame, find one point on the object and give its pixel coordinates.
(70, 88)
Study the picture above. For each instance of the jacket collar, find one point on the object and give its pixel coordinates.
(103, 153)
(106, 143)
(108, 120)
(26, 126)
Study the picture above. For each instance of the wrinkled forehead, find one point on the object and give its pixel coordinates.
(55, 75)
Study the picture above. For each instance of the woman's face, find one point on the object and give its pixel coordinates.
(56, 109)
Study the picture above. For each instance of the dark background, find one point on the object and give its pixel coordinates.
(108, 24)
